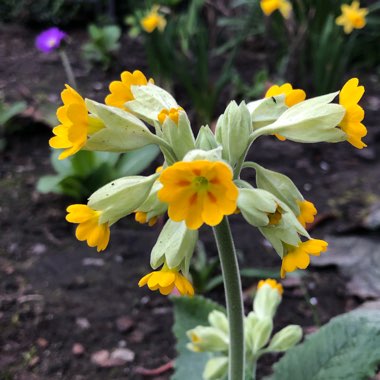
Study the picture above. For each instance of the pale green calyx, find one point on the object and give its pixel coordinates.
(123, 131)
(266, 111)
(266, 301)
(206, 139)
(180, 137)
(256, 205)
(206, 338)
(175, 246)
(280, 185)
(152, 205)
(121, 197)
(149, 101)
(313, 120)
(203, 155)
(285, 339)
(216, 368)
(257, 331)
(233, 130)
(219, 320)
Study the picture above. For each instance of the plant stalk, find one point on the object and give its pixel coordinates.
(68, 69)
(234, 299)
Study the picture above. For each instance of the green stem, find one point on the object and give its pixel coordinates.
(254, 367)
(67, 67)
(234, 299)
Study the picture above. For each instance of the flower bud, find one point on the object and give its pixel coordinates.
(205, 139)
(266, 111)
(285, 339)
(313, 120)
(206, 338)
(267, 299)
(123, 131)
(149, 100)
(216, 368)
(219, 320)
(258, 331)
(232, 131)
(175, 246)
(179, 136)
(121, 197)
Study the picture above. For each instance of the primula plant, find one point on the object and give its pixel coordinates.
(199, 184)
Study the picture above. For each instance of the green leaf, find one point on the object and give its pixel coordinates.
(49, 184)
(347, 348)
(189, 313)
(132, 163)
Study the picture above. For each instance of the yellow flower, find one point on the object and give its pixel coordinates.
(272, 283)
(292, 97)
(307, 212)
(351, 124)
(153, 20)
(173, 114)
(165, 280)
(141, 217)
(97, 234)
(352, 17)
(298, 257)
(275, 217)
(121, 90)
(198, 192)
(75, 126)
(269, 6)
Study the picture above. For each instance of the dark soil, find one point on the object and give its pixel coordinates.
(56, 293)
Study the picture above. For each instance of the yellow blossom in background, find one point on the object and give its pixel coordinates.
(352, 17)
(269, 6)
(141, 217)
(121, 90)
(272, 283)
(351, 124)
(71, 134)
(292, 97)
(165, 280)
(173, 114)
(298, 257)
(96, 234)
(307, 212)
(198, 192)
(153, 20)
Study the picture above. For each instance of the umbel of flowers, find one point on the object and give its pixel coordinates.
(199, 181)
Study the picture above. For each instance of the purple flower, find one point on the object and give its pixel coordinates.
(49, 39)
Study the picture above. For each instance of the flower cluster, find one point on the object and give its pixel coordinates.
(258, 328)
(199, 181)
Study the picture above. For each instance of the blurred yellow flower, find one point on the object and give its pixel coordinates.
(153, 20)
(352, 17)
(198, 192)
(298, 257)
(76, 124)
(349, 97)
(96, 234)
(165, 280)
(292, 97)
(121, 90)
(173, 114)
(269, 6)
(141, 217)
(272, 283)
(307, 212)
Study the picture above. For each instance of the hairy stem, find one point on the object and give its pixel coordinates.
(234, 299)
(67, 67)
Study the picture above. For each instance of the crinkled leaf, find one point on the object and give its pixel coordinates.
(347, 348)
